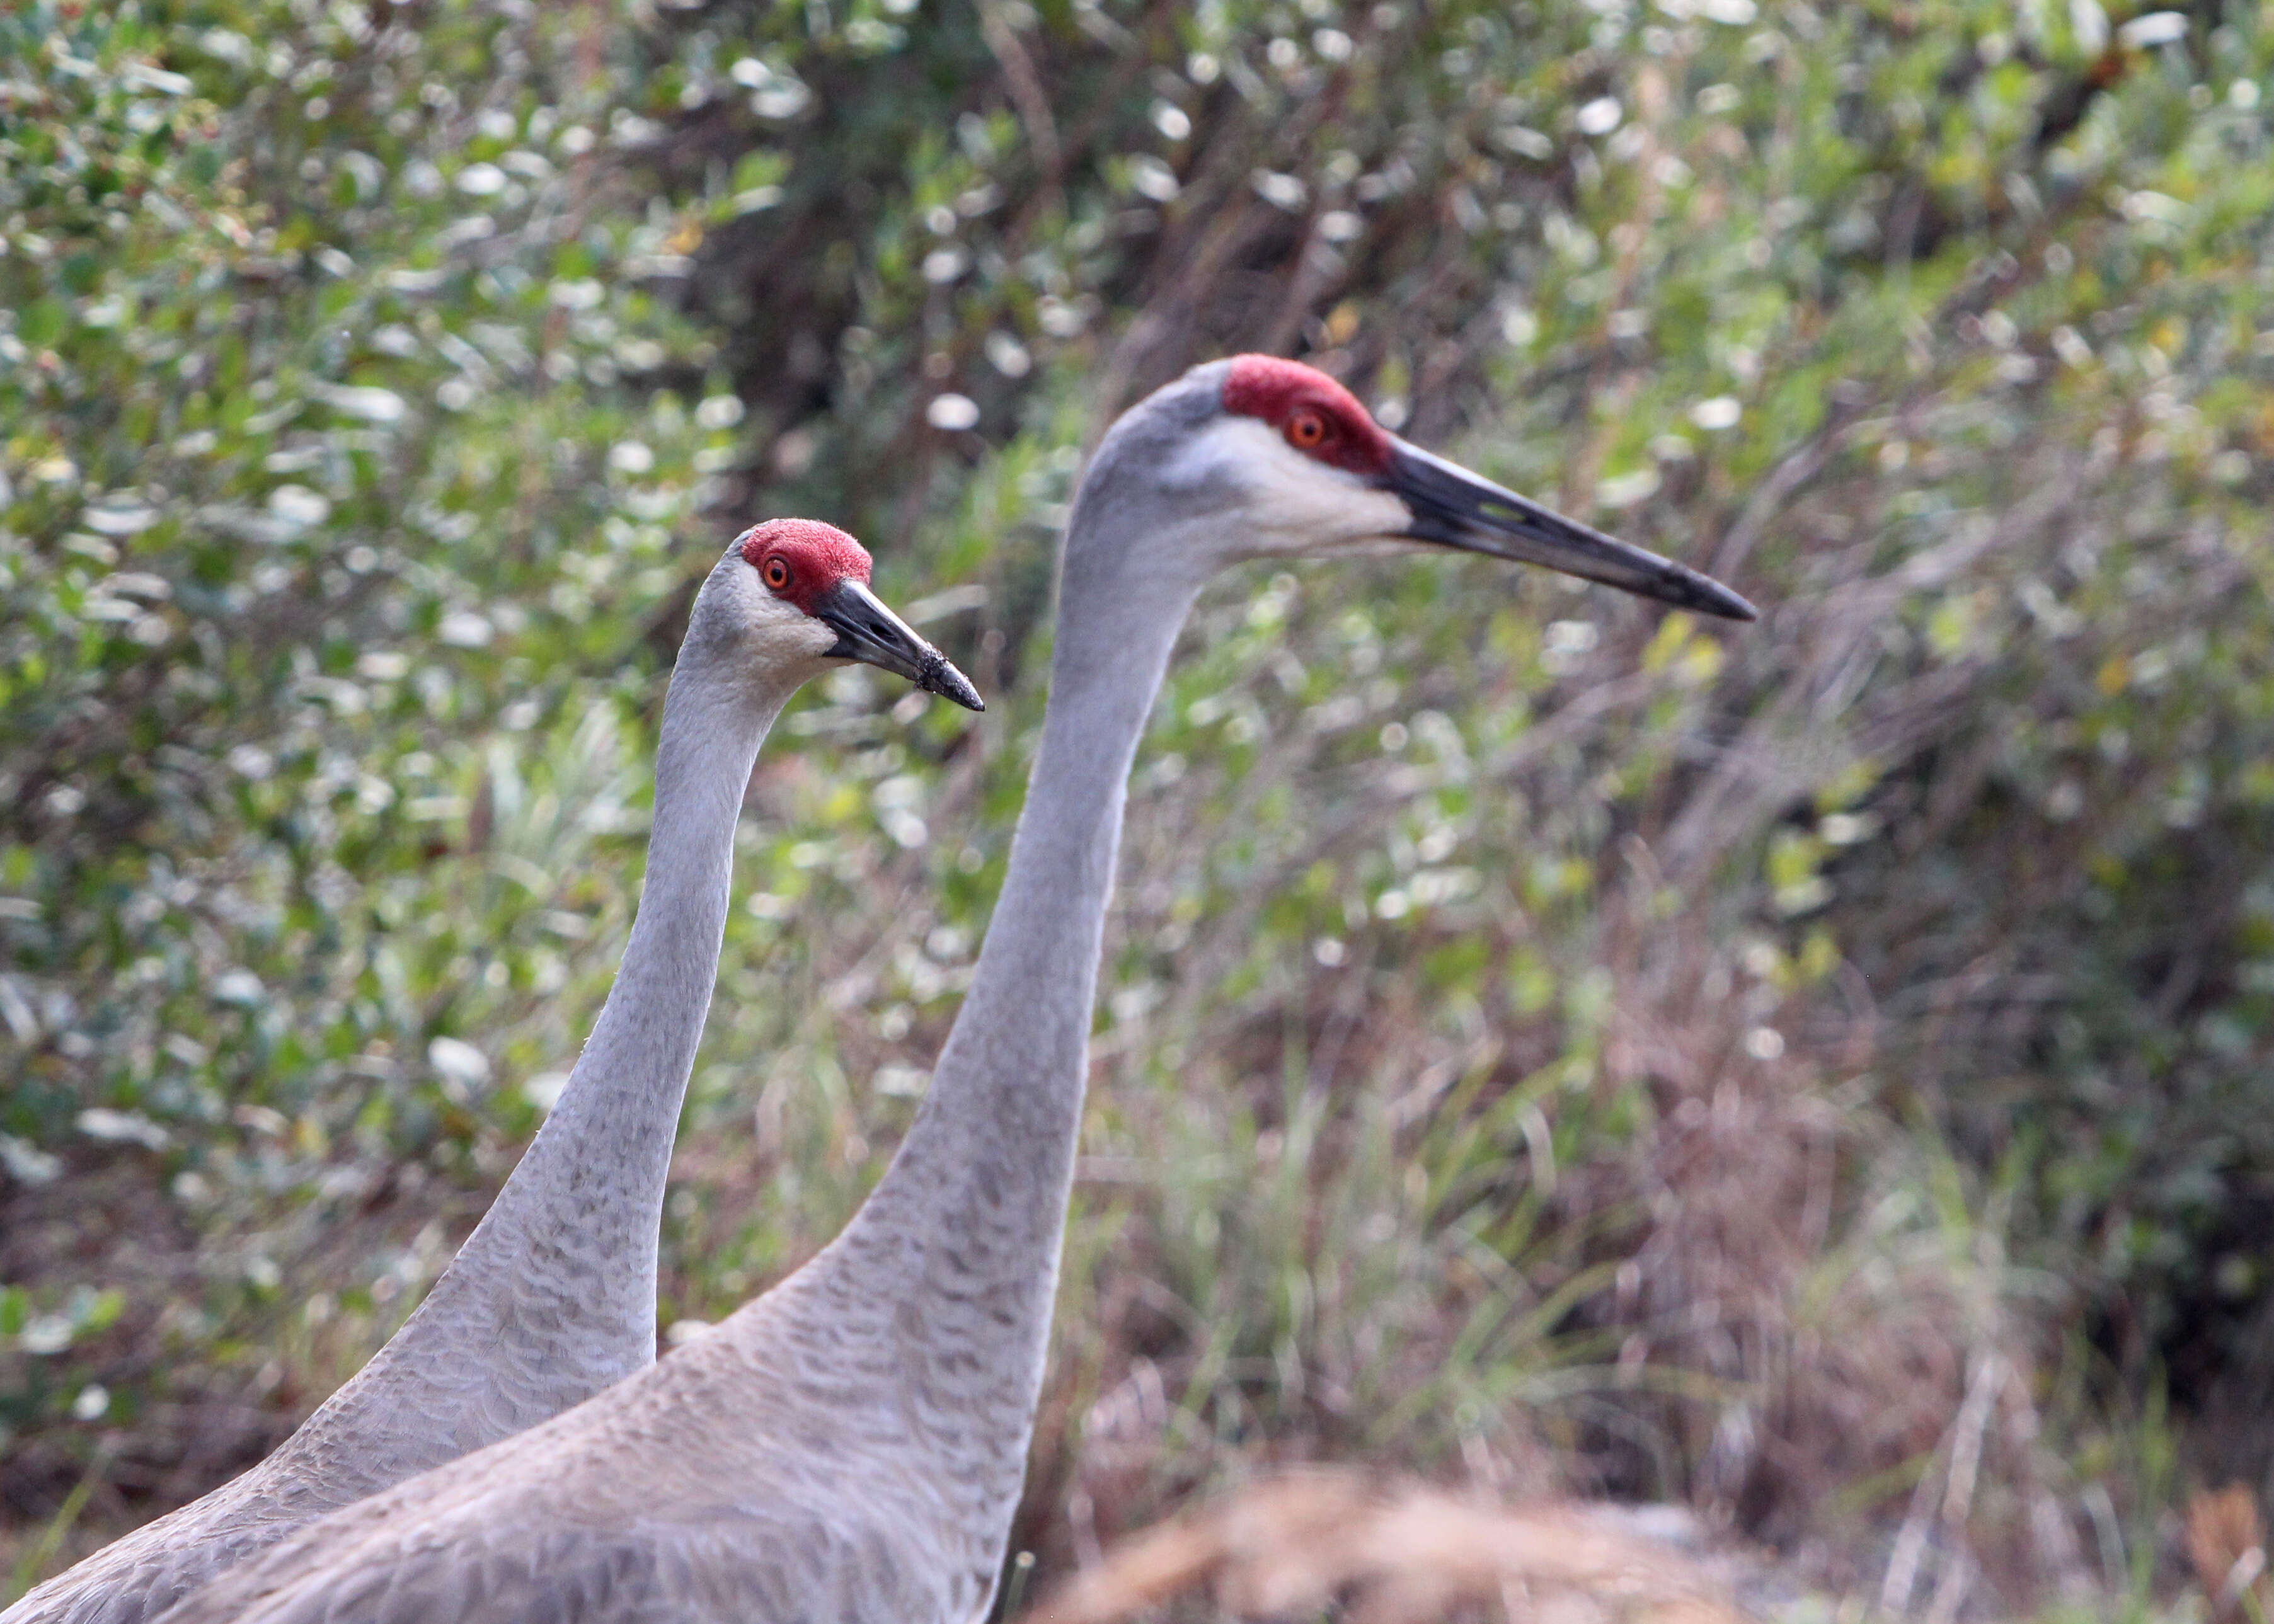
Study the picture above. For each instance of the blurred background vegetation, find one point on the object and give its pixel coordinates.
(1813, 1073)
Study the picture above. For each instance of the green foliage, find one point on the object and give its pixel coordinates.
(1541, 1039)
(338, 490)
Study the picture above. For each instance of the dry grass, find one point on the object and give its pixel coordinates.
(1391, 1552)
(2226, 1546)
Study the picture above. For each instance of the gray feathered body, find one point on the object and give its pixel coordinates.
(674, 1497)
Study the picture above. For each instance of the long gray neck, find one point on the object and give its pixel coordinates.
(552, 1297)
(601, 1158)
(952, 1265)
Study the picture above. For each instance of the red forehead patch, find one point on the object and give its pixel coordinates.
(1289, 395)
(814, 556)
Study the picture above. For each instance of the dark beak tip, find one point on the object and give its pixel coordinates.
(949, 683)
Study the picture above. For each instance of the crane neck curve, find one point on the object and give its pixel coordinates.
(950, 1268)
(552, 1297)
(619, 1112)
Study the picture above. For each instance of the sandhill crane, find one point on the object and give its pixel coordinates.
(553, 1297)
(850, 1446)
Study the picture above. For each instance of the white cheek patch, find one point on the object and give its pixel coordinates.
(1295, 504)
(782, 634)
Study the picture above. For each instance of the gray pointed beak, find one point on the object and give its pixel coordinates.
(869, 632)
(1455, 508)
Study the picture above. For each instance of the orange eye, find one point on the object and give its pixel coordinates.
(1307, 430)
(776, 574)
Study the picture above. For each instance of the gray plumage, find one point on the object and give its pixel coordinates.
(850, 1447)
(552, 1299)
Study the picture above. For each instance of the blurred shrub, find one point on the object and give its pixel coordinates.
(334, 501)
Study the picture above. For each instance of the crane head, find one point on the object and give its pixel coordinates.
(811, 593)
(1311, 472)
